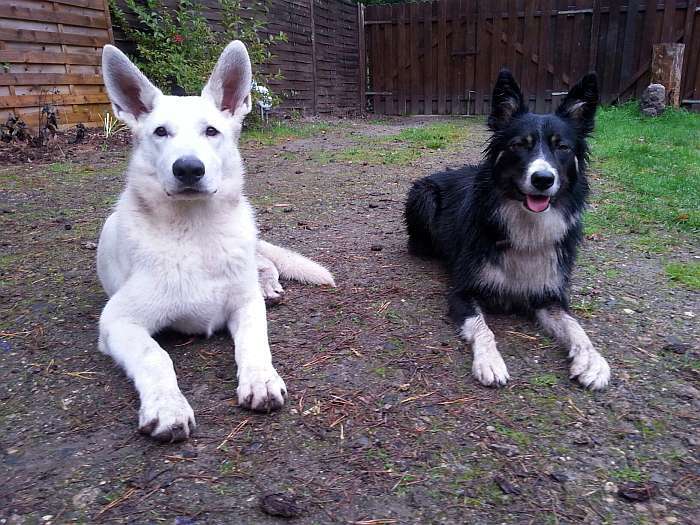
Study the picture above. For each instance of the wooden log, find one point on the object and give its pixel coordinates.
(666, 69)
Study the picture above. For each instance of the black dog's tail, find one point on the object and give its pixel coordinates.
(422, 207)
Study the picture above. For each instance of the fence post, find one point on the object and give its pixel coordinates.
(666, 68)
(362, 51)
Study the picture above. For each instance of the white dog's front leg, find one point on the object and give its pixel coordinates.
(165, 414)
(259, 385)
(587, 365)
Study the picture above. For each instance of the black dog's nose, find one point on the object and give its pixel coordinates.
(542, 180)
(188, 170)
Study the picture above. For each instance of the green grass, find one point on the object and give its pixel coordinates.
(277, 132)
(629, 474)
(400, 148)
(685, 273)
(651, 176)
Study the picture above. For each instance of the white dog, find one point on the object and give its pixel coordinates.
(181, 248)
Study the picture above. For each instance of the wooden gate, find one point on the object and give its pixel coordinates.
(442, 57)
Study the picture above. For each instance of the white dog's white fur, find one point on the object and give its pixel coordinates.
(187, 256)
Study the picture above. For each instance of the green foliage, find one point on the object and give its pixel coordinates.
(179, 47)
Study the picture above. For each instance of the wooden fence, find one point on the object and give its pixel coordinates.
(320, 60)
(442, 57)
(50, 54)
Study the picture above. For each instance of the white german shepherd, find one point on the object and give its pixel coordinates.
(181, 248)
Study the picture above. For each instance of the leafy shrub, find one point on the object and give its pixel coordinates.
(176, 47)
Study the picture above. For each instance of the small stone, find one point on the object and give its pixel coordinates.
(86, 497)
(610, 487)
(373, 205)
(628, 311)
(253, 447)
(288, 210)
(671, 519)
(282, 505)
(506, 486)
(376, 247)
(189, 453)
(560, 476)
(68, 226)
(653, 100)
(490, 428)
(676, 346)
(687, 392)
(90, 245)
(298, 172)
(508, 450)
(636, 491)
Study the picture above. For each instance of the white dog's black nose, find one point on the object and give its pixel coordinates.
(188, 170)
(542, 180)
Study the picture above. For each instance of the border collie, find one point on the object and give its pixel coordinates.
(181, 249)
(508, 229)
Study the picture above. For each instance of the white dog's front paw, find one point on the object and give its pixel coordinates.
(166, 416)
(261, 389)
(490, 369)
(271, 289)
(589, 368)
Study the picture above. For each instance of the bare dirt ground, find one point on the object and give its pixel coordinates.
(384, 423)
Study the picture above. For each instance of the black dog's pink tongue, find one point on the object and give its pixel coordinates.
(536, 203)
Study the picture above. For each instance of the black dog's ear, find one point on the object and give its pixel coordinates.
(581, 103)
(506, 101)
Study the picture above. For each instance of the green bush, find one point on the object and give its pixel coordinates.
(177, 46)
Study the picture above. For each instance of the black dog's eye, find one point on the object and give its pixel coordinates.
(521, 144)
(161, 131)
(212, 132)
(563, 148)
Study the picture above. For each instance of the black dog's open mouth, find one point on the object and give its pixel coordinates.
(536, 203)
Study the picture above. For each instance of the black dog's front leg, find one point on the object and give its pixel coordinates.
(488, 366)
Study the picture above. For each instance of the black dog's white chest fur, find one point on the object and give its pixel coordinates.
(530, 259)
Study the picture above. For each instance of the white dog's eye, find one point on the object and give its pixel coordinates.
(212, 131)
(161, 131)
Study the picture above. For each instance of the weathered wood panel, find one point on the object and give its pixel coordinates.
(456, 48)
(51, 52)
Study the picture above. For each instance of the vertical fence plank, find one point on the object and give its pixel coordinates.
(690, 60)
(362, 51)
(667, 23)
(428, 59)
(608, 80)
(414, 39)
(595, 32)
(630, 39)
(543, 56)
(513, 37)
(443, 60)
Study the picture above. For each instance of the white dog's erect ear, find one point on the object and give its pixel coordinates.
(131, 93)
(230, 82)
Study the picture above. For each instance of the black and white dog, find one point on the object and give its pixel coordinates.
(508, 229)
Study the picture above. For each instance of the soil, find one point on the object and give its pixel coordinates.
(384, 423)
